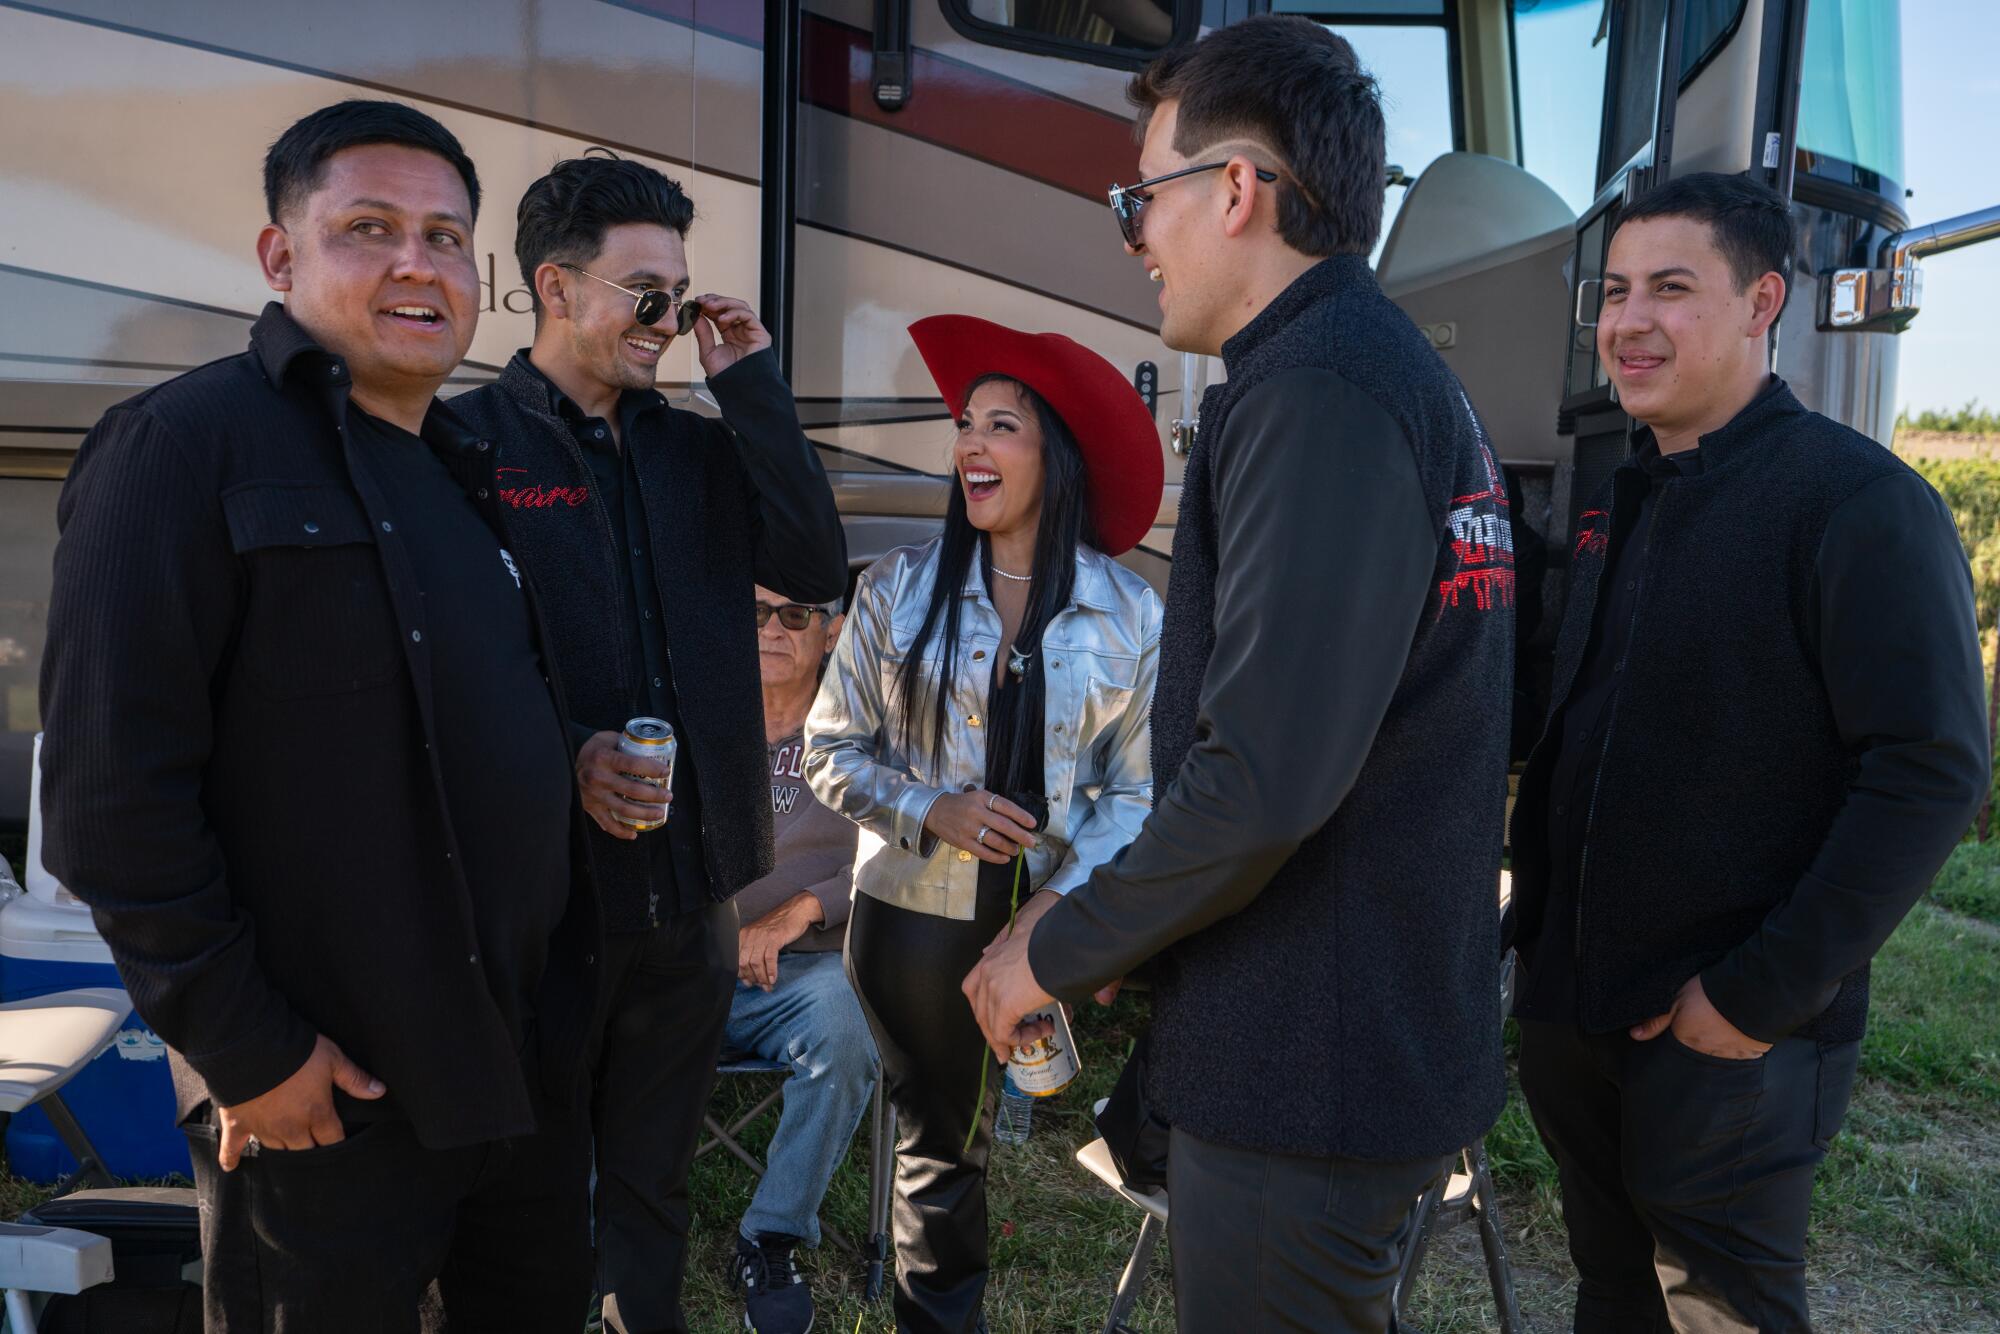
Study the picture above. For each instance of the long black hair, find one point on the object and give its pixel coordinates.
(1014, 735)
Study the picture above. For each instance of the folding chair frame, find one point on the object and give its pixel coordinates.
(1441, 1209)
(90, 1170)
(881, 1162)
(1134, 1278)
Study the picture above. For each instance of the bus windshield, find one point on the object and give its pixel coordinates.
(1851, 100)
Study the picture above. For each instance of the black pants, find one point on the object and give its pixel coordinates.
(1686, 1178)
(1269, 1241)
(906, 968)
(379, 1235)
(666, 999)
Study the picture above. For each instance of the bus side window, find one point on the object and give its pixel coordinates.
(1105, 32)
(1559, 87)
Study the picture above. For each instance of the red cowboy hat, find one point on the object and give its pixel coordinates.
(1121, 446)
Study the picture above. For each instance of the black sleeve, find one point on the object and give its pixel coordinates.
(800, 548)
(1325, 555)
(1899, 653)
(144, 605)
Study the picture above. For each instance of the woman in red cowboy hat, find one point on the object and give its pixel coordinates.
(987, 702)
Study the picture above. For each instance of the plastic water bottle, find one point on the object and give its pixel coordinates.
(1016, 1116)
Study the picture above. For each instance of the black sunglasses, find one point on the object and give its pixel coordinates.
(651, 305)
(1127, 200)
(791, 615)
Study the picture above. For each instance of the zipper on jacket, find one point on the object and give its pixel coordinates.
(617, 553)
(1611, 725)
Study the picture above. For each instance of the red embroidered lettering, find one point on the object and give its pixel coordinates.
(535, 497)
(1590, 537)
(1482, 538)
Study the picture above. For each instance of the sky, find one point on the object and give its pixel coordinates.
(1951, 131)
(1951, 141)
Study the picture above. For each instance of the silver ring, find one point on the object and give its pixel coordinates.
(980, 837)
(991, 797)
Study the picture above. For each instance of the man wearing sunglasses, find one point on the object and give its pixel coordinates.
(646, 527)
(1330, 729)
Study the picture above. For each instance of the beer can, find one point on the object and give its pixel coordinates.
(652, 738)
(1046, 1066)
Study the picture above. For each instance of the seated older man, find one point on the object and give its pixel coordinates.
(793, 1003)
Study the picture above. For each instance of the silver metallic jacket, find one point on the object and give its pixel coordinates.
(1101, 660)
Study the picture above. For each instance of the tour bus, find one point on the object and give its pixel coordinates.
(859, 164)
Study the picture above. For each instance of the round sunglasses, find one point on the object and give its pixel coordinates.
(649, 306)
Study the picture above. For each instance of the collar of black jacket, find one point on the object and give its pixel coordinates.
(1331, 277)
(284, 349)
(1774, 405)
(527, 385)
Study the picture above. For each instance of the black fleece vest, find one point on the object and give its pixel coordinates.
(1353, 1009)
(694, 494)
(1724, 767)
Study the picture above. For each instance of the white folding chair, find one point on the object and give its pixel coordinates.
(1096, 1159)
(44, 1043)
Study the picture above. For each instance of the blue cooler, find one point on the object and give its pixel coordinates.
(124, 1099)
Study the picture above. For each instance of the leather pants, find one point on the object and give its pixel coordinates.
(906, 968)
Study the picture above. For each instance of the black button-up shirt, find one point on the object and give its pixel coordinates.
(239, 600)
(680, 875)
(500, 744)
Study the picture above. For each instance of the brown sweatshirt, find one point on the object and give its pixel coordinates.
(815, 852)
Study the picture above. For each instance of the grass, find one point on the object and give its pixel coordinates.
(1970, 881)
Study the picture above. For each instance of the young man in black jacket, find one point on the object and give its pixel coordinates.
(305, 764)
(1768, 732)
(1318, 881)
(651, 526)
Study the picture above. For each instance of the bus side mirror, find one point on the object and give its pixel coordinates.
(1885, 298)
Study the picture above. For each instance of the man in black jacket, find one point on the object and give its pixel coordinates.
(651, 526)
(1768, 732)
(1319, 876)
(306, 766)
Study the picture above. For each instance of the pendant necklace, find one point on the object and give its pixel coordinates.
(1017, 661)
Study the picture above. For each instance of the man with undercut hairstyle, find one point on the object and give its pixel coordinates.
(304, 762)
(669, 521)
(1769, 729)
(1330, 727)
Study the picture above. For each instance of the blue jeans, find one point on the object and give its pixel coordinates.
(812, 1022)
